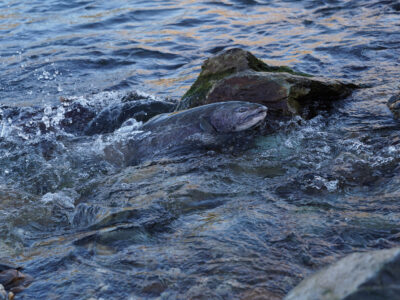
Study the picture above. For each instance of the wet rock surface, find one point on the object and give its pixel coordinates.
(84, 115)
(6, 266)
(12, 279)
(291, 202)
(360, 276)
(113, 116)
(238, 75)
(394, 105)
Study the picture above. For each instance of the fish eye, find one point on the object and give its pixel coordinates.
(241, 109)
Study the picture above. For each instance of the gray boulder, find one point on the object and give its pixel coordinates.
(372, 275)
(238, 75)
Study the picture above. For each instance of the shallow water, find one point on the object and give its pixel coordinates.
(209, 225)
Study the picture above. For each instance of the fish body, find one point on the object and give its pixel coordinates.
(209, 126)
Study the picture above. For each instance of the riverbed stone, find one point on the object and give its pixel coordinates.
(239, 75)
(371, 275)
(7, 265)
(14, 280)
(394, 105)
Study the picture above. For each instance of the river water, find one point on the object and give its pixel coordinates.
(208, 225)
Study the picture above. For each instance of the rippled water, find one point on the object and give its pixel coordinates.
(208, 225)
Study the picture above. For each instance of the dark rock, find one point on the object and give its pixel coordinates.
(79, 116)
(394, 105)
(359, 276)
(112, 117)
(154, 288)
(6, 266)
(260, 294)
(76, 117)
(14, 280)
(92, 118)
(238, 75)
(396, 6)
(134, 96)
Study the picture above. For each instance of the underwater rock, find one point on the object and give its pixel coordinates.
(15, 281)
(394, 105)
(76, 117)
(359, 276)
(239, 75)
(6, 266)
(12, 279)
(396, 6)
(113, 116)
(72, 117)
(105, 114)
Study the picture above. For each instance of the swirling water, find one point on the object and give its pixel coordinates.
(207, 225)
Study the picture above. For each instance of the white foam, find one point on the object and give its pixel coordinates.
(65, 198)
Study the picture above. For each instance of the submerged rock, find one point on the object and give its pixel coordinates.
(113, 116)
(76, 117)
(394, 105)
(80, 116)
(15, 281)
(359, 276)
(92, 118)
(238, 74)
(12, 279)
(6, 266)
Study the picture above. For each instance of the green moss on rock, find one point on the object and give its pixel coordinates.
(221, 66)
(259, 66)
(237, 74)
(200, 88)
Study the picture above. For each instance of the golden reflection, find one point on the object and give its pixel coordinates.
(254, 22)
(189, 33)
(263, 16)
(99, 16)
(332, 37)
(9, 26)
(170, 82)
(226, 13)
(9, 16)
(259, 42)
(286, 62)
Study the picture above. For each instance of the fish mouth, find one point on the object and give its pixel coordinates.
(253, 120)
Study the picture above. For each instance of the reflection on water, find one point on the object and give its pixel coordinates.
(149, 45)
(207, 225)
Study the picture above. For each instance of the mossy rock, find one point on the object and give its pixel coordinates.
(239, 75)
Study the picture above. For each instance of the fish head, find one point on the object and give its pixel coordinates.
(235, 116)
